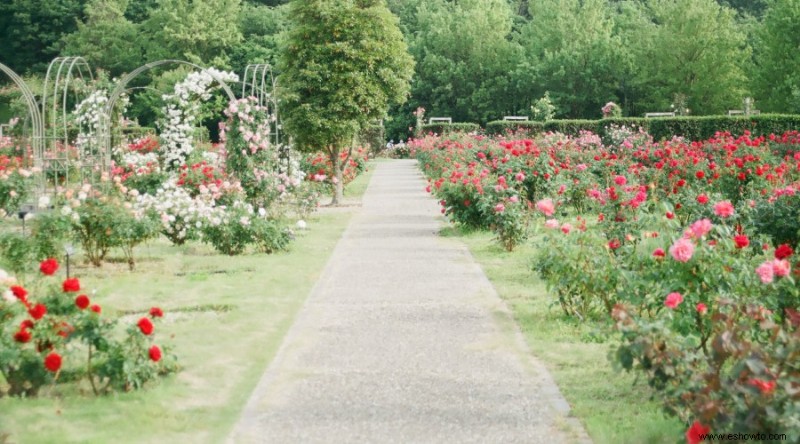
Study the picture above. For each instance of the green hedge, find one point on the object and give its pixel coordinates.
(693, 128)
(444, 128)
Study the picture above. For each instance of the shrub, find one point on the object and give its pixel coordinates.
(448, 128)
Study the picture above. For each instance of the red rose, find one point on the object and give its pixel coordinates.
(670, 215)
(72, 285)
(155, 353)
(782, 252)
(38, 311)
(702, 199)
(27, 323)
(156, 312)
(741, 240)
(614, 244)
(52, 362)
(696, 433)
(700, 174)
(23, 335)
(145, 326)
(19, 292)
(82, 301)
(48, 266)
(96, 308)
(765, 387)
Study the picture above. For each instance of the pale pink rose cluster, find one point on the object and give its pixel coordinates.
(768, 270)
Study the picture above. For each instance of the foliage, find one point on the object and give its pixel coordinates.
(343, 64)
(777, 64)
(44, 327)
(447, 128)
(543, 110)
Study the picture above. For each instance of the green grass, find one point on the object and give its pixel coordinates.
(226, 319)
(613, 407)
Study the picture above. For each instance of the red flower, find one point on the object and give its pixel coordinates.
(48, 266)
(700, 174)
(145, 326)
(670, 215)
(766, 387)
(38, 311)
(52, 362)
(19, 292)
(72, 285)
(65, 330)
(696, 433)
(741, 240)
(82, 301)
(23, 335)
(659, 252)
(155, 353)
(96, 308)
(702, 199)
(614, 244)
(27, 323)
(701, 308)
(156, 312)
(782, 252)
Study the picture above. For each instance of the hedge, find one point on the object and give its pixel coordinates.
(444, 128)
(692, 128)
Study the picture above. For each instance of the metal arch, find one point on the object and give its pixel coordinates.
(63, 76)
(33, 109)
(262, 85)
(105, 127)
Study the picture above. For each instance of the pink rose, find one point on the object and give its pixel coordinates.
(520, 177)
(552, 224)
(620, 180)
(766, 272)
(682, 250)
(673, 300)
(499, 208)
(659, 252)
(723, 209)
(781, 267)
(700, 228)
(701, 308)
(546, 206)
(566, 228)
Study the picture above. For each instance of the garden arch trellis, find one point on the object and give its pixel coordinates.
(122, 86)
(37, 123)
(258, 81)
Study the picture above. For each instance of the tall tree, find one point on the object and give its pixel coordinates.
(107, 39)
(693, 48)
(777, 70)
(343, 64)
(31, 30)
(573, 54)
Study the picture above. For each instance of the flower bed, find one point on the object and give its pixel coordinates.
(685, 247)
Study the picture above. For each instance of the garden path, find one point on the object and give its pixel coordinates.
(404, 339)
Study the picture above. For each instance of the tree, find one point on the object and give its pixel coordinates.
(690, 47)
(573, 54)
(30, 31)
(777, 68)
(262, 29)
(344, 62)
(198, 31)
(106, 38)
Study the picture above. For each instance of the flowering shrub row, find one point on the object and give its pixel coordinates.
(51, 332)
(687, 248)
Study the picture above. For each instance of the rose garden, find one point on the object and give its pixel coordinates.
(188, 280)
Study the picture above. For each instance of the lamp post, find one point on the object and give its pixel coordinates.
(23, 213)
(69, 250)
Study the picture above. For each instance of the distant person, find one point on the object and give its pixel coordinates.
(390, 145)
(401, 145)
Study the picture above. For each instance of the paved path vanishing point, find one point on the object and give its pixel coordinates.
(404, 340)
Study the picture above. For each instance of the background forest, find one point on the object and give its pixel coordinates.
(476, 60)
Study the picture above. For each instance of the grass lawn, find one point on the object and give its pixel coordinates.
(226, 317)
(611, 405)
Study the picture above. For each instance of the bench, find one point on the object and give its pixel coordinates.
(516, 118)
(651, 115)
(440, 120)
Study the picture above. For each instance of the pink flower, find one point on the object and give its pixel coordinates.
(513, 199)
(659, 252)
(546, 206)
(701, 308)
(673, 300)
(781, 267)
(620, 180)
(766, 272)
(552, 224)
(520, 177)
(499, 208)
(566, 228)
(723, 209)
(682, 250)
(700, 228)
(580, 166)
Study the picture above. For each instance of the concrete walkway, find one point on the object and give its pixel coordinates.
(404, 340)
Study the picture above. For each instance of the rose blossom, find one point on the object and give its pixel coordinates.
(741, 240)
(701, 308)
(82, 301)
(781, 267)
(700, 228)
(766, 272)
(566, 228)
(552, 224)
(499, 208)
(783, 251)
(546, 206)
(156, 312)
(48, 266)
(659, 252)
(145, 326)
(682, 250)
(723, 209)
(71, 285)
(696, 433)
(52, 362)
(155, 353)
(673, 300)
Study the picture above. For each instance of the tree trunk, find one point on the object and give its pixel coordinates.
(338, 183)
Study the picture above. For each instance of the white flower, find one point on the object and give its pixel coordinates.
(9, 296)
(301, 224)
(44, 201)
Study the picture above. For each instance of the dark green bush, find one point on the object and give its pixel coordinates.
(446, 128)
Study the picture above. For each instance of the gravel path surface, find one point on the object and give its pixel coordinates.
(404, 340)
